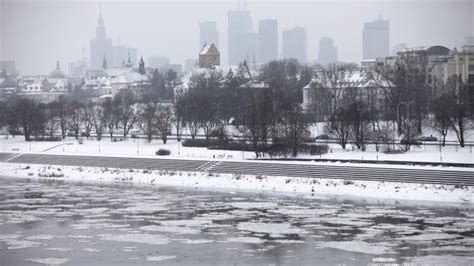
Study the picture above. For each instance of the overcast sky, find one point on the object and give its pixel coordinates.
(37, 33)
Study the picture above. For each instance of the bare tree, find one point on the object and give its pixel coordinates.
(75, 122)
(339, 126)
(110, 117)
(296, 128)
(164, 122)
(460, 107)
(127, 111)
(149, 119)
(98, 120)
(443, 111)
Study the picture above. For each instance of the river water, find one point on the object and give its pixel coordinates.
(53, 222)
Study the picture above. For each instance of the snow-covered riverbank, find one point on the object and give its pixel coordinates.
(286, 185)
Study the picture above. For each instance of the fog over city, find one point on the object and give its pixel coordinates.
(35, 34)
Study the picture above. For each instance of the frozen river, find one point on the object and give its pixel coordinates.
(52, 222)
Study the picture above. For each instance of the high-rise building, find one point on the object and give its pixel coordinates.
(239, 34)
(294, 44)
(158, 61)
(267, 40)
(121, 54)
(327, 51)
(208, 33)
(101, 46)
(376, 39)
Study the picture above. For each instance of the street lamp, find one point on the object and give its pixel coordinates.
(138, 144)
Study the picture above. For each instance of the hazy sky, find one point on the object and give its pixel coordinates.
(37, 33)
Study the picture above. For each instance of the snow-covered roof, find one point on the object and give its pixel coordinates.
(355, 79)
(208, 48)
(205, 49)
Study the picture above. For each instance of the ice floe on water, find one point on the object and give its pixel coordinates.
(58, 249)
(194, 241)
(197, 222)
(129, 249)
(159, 258)
(441, 260)
(296, 211)
(92, 250)
(357, 246)
(179, 230)
(383, 260)
(137, 238)
(40, 237)
(429, 237)
(20, 244)
(49, 261)
(246, 239)
(145, 207)
(271, 228)
(254, 205)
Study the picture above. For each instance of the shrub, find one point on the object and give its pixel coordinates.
(323, 136)
(162, 152)
(195, 143)
(315, 149)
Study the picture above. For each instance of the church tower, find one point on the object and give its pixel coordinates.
(141, 66)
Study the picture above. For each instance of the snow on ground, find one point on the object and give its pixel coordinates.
(134, 147)
(295, 186)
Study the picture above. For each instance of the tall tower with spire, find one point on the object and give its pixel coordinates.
(100, 45)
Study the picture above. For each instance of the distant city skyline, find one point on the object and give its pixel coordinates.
(35, 34)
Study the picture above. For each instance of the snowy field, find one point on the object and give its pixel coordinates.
(135, 147)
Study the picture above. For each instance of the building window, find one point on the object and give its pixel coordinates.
(471, 67)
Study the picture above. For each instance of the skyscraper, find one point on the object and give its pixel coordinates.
(294, 44)
(240, 33)
(208, 33)
(327, 51)
(267, 40)
(101, 46)
(376, 39)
